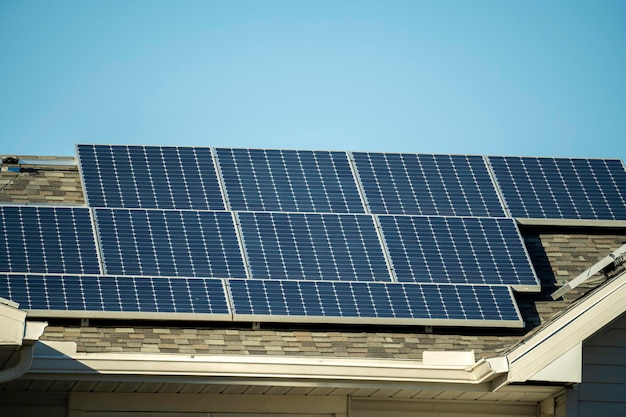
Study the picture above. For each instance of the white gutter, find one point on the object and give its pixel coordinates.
(17, 333)
(20, 368)
(59, 362)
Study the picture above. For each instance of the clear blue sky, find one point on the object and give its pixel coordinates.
(462, 77)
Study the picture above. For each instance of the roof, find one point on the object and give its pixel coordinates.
(44, 181)
(558, 255)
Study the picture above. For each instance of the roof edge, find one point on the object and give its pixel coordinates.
(565, 332)
(53, 361)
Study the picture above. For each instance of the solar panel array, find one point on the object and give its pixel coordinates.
(289, 181)
(169, 243)
(374, 302)
(163, 177)
(440, 185)
(562, 188)
(47, 239)
(128, 294)
(470, 250)
(281, 235)
(313, 246)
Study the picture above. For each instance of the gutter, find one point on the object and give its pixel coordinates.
(17, 333)
(59, 360)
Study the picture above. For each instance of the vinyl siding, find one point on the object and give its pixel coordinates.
(603, 390)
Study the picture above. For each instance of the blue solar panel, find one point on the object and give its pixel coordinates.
(169, 243)
(47, 239)
(458, 250)
(416, 239)
(313, 246)
(150, 177)
(419, 184)
(289, 181)
(82, 293)
(562, 188)
(328, 301)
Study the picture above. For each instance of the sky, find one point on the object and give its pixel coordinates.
(501, 77)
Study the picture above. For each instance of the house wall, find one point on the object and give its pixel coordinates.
(32, 404)
(205, 405)
(90, 404)
(364, 407)
(603, 390)
(249, 405)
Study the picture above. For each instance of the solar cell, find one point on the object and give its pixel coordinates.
(169, 243)
(371, 303)
(47, 239)
(313, 246)
(562, 188)
(289, 181)
(164, 177)
(420, 184)
(458, 250)
(89, 293)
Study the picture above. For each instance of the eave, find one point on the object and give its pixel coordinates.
(60, 361)
(565, 333)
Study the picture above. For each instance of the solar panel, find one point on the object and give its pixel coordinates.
(420, 184)
(47, 239)
(373, 303)
(313, 246)
(458, 250)
(303, 236)
(562, 188)
(164, 177)
(88, 294)
(289, 181)
(169, 243)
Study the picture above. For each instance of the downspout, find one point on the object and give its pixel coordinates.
(17, 332)
(19, 369)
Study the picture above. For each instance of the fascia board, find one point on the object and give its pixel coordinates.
(12, 321)
(81, 365)
(564, 333)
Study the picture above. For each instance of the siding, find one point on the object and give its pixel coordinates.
(33, 404)
(603, 390)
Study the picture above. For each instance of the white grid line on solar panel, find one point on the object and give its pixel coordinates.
(115, 293)
(169, 243)
(289, 180)
(421, 184)
(562, 187)
(373, 300)
(47, 239)
(127, 176)
(313, 246)
(457, 250)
